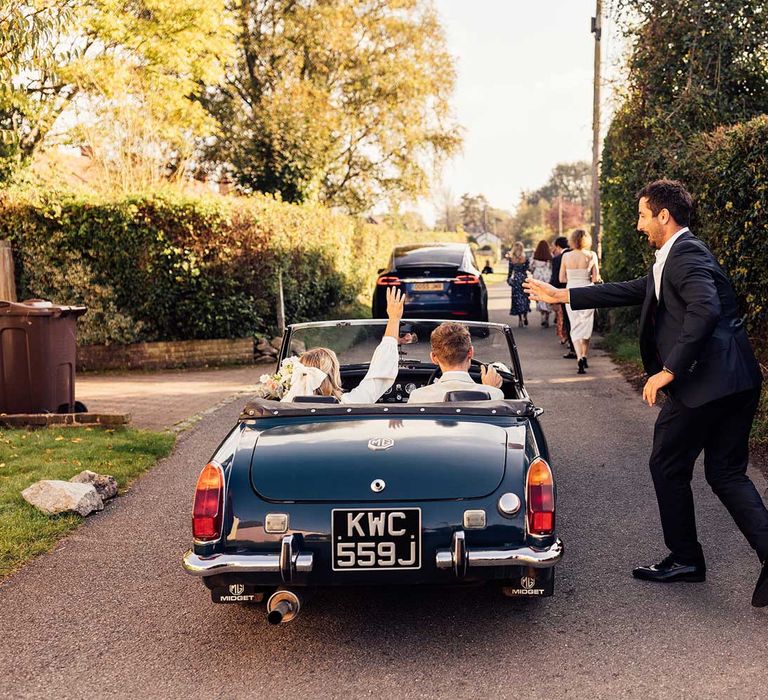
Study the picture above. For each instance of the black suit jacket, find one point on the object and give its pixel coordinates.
(694, 331)
(554, 280)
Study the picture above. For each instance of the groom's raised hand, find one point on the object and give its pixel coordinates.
(541, 291)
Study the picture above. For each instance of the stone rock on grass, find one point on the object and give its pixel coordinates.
(105, 485)
(53, 497)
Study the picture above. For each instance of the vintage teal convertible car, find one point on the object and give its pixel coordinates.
(308, 494)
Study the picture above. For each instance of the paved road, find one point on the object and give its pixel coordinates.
(110, 614)
(166, 399)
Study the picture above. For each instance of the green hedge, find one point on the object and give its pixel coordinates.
(169, 266)
(727, 173)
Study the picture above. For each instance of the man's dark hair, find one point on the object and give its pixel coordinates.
(561, 242)
(670, 195)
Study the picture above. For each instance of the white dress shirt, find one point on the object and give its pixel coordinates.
(661, 257)
(451, 381)
(381, 374)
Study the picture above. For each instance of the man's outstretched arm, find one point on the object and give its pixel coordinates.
(605, 295)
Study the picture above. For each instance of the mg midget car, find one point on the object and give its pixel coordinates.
(314, 493)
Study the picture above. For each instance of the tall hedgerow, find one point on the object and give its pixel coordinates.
(693, 67)
(169, 266)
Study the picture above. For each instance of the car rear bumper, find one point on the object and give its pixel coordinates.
(290, 564)
(461, 558)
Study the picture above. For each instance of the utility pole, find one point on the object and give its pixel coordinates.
(597, 31)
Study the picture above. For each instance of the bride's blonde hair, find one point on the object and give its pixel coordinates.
(324, 359)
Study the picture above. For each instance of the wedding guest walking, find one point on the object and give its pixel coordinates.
(541, 269)
(559, 247)
(695, 349)
(518, 269)
(579, 268)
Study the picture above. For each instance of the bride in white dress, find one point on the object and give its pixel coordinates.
(579, 268)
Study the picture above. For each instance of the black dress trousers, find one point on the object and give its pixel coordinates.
(721, 429)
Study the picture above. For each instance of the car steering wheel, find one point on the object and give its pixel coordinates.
(437, 372)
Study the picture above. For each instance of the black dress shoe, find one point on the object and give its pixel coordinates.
(760, 596)
(570, 356)
(582, 365)
(668, 570)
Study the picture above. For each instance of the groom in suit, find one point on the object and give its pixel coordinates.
(695, 349)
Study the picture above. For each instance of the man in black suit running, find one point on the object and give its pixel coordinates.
(695, 349)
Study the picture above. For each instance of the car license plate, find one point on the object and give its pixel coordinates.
(379, 539)
(427, 286)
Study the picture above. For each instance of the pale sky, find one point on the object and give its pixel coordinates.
(523, 92)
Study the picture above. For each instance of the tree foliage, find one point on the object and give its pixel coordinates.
(126, 72)
(344, 101)
(693, 66)
(571, 181)
(572, 214)
(26, 31)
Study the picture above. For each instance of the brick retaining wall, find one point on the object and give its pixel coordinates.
(161, 355)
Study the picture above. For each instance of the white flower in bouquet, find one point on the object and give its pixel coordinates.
(275, 386)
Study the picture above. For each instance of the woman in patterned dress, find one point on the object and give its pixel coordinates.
(541, 269)
(518, 270)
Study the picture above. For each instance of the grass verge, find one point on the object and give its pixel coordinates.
(60, 453)
(625, 351)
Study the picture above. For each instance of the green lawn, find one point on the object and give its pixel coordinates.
(60, 453)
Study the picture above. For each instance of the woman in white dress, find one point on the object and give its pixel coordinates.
(579, 268)
(317, 371)
(541, 269)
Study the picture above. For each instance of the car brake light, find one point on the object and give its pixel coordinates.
(541, 498)
(388, 281)
(208, 508)
(466, 279)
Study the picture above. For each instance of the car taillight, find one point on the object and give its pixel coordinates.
(541, 498)
(388, 281)
(208, 508)
(466, 279)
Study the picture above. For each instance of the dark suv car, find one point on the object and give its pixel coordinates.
(439, 280)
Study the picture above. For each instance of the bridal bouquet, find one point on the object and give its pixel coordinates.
(275, 386)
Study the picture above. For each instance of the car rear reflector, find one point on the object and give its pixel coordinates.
(541, 498)
(466, 279)
(208, 508)
(388, 281)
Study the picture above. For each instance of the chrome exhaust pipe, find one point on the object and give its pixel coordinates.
(283, 606)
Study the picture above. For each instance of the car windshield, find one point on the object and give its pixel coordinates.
(354, 341)
(428, 255)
